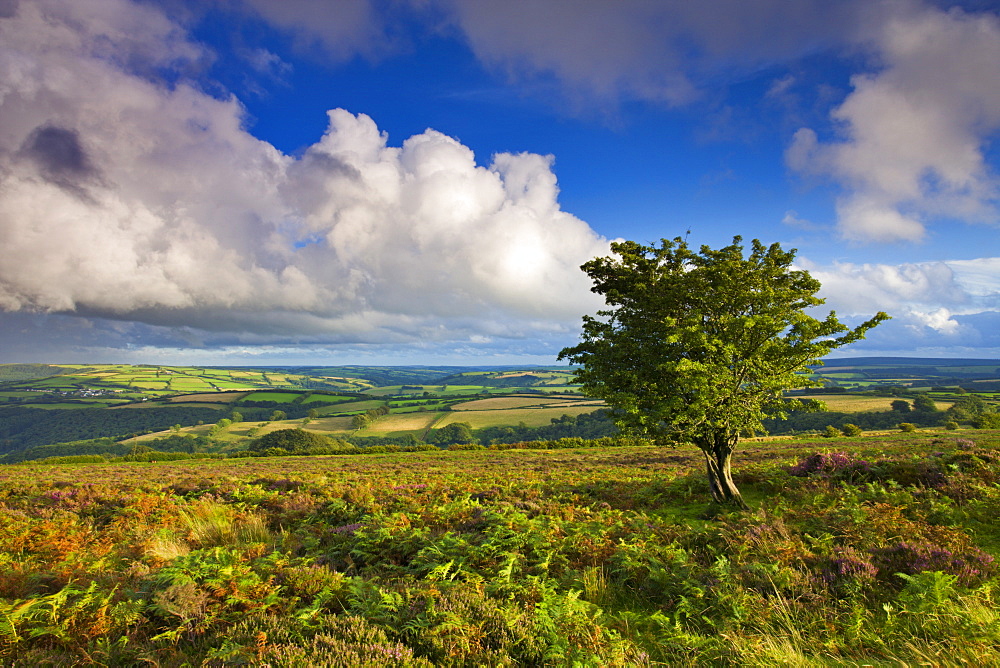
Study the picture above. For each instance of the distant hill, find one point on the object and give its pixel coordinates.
(908, 361)
(14, 372)
(409, 375)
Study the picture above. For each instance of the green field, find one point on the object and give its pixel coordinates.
(316, 398)
(280, 397)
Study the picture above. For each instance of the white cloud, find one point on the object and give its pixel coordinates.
(911, 135)
(939, 320)
(792, 219)
(938, 308)
(123, 197)
(914, 132)
(919, 296)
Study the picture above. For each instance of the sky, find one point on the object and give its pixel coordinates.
(310, 182)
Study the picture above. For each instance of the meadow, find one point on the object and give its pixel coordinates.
(856, 551)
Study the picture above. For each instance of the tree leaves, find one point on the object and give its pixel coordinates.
(699, 346)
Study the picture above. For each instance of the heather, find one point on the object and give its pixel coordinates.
(874, 550)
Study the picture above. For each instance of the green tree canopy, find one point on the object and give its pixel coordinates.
(292, 440)
(924, 404)
(698, 347)
(968, 407)
(452, 434)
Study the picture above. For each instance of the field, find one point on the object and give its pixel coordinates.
(401, 423)
(532, 417)
(879, 552)
(849, 403)
(521, 401)
(211, 397)
(280, 397)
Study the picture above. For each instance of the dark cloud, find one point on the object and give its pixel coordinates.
(8, 9)
(59, 155)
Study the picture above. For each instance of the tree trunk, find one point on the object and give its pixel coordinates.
(718, 458)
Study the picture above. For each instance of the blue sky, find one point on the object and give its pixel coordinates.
(418, 181)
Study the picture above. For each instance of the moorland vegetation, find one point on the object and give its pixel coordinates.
(872, 550)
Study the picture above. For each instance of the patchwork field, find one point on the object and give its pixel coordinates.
(532, 417)
(523, 401)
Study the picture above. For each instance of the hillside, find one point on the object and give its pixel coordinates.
(856, 552)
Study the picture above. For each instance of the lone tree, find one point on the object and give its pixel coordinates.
(699, 347)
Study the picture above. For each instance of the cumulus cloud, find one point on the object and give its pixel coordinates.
(932, 302)
(945, 309)
(914, 133)
(124, 197)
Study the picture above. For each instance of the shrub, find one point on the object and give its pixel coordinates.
(907, 426)
(831, 432)
(951, 425)
(851, 430)
(920, 472)
(838, 464)
(849, 572)
(466, 446)
(970, 565)
(291, 440)
(987, 421)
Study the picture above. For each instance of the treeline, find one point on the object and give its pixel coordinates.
(801, 421)
(105, 458)
(587, 425)
(22, 427)
(491, 380)
(298, 442)
(968, 409)
(381, 376)
(16, 372)
(105, 448)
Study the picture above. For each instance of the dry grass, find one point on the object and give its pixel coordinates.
(505, 403)
(854, 404)
(533, 417)
(322, 425)
(400, 422)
